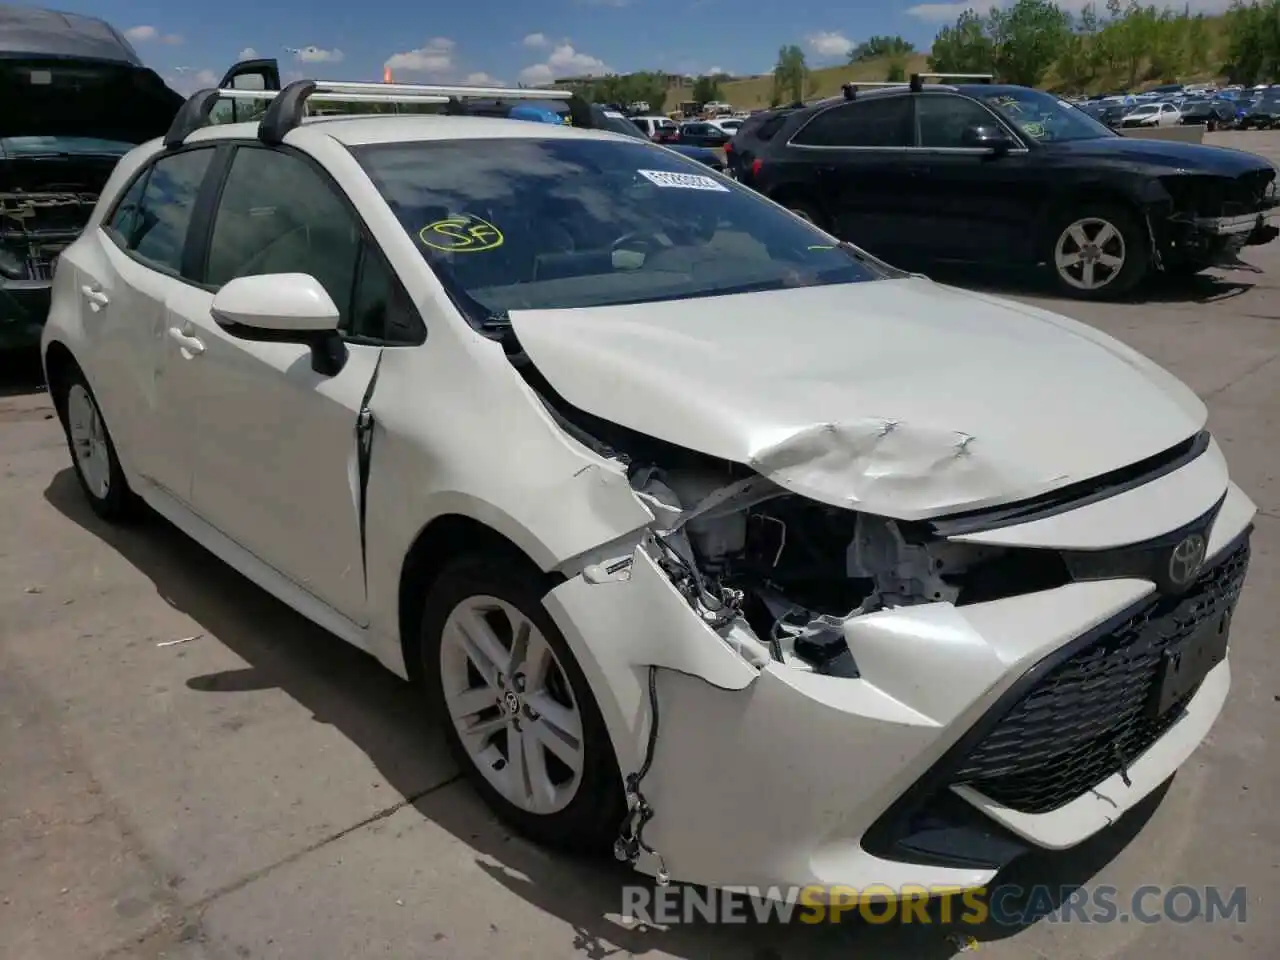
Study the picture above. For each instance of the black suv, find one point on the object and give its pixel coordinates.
(1005, 175)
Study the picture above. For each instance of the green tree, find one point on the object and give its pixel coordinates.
(964, 47)
(790, 74)
(1253, 41)
(706, 89)
(1028, 39)
(897, 71)
(878, 46)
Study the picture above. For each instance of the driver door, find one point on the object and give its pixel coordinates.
(969, 204)
(273, 445)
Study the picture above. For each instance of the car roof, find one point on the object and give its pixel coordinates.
(355, 131)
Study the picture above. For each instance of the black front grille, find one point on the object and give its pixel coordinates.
(1088, 716)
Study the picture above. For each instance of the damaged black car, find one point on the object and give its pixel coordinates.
(76, 98)
(1007, 176)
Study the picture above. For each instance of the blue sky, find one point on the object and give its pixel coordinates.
(483, 41)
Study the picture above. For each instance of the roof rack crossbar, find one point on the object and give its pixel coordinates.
(917, 79)
(226, 94)
(287, 110)
(851, 88)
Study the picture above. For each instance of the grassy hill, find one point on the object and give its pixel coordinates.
(755, 92)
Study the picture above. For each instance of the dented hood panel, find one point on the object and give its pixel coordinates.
(904, 398)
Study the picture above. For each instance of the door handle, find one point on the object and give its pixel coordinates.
(190, 346)
(97, 299)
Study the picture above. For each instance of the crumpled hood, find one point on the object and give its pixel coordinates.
(904, 398)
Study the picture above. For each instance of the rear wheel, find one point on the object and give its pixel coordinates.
(1097, 252)
(93, 453)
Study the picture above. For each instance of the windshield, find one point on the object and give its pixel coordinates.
(554, 223)
(56, 146)
(1043, 117)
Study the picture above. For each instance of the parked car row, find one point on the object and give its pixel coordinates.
(1006, 175)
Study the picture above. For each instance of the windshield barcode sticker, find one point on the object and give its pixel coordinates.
(682, 181)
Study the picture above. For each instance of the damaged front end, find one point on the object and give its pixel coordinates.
(1212, 218)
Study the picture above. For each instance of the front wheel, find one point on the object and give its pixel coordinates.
(1097, 252)
(517, 711)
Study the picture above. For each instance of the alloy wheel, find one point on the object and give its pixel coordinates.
(1089, 254)
(512, 705)
(89, 441)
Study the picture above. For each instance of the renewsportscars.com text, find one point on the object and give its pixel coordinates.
(1005, 905)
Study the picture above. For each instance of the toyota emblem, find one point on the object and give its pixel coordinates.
(1186, 560)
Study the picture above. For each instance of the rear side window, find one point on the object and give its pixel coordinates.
(879, 122)
(767, 127)
(152, 218)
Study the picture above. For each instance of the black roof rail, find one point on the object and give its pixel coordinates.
(192, 115)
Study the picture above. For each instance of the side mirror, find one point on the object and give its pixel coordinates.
(290, 307)
(278, 302)
(987, 137)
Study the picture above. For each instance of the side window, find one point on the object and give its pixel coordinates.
(278, 215)
(380, 309)
(126, 221)
(943, 119)
(153, 224)
(877, 122)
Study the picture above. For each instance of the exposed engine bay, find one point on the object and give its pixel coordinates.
(36, 227)
(778, 574)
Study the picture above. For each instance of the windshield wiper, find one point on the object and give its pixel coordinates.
(496, 321)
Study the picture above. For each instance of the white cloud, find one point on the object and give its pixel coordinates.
(314, 54)
(435, 56)
(564, 61)
(145, 33)
(536, 40)
(828, 43)
(482, 79)
(248, 53)
(187, 80)
(716, 71)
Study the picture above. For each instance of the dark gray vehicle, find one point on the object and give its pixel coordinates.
(74, 97)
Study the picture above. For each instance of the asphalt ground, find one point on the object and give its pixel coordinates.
(261, 790)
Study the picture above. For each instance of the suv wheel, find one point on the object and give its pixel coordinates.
(1097, 252)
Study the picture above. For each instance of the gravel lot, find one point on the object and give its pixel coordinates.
(263, 791)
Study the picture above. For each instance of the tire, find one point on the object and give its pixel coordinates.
(580, 814)
(807, 211)
(93, 452)
(1125, 240)
(1211, 126)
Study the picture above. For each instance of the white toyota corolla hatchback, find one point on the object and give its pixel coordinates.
(711, 540)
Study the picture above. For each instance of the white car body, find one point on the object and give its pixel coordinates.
(729, 125)
(1153, 115)
(901, 403)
